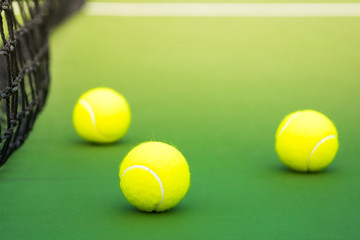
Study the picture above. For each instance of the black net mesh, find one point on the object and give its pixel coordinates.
(24, 64)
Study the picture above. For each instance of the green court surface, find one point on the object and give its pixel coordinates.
(216, 88)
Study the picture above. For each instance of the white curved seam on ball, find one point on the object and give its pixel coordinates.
(156, 177)
(287, 124)
(316, 146)
(90, 110)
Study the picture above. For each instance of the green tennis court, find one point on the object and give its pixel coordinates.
(217, 89)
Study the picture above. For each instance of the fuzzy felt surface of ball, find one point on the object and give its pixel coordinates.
(306, 141)
(101, 115)
(154, 176)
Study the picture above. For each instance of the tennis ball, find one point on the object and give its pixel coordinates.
(101, 115)
(306, 141)
(154, 176)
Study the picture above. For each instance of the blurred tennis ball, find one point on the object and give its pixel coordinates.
(306, 141)
(101, 115)
(154, 176)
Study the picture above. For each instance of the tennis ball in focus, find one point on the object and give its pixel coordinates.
(306, 141)
(101, 115)
(154, 176)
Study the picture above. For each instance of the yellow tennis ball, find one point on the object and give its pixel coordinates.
(306, 141)
(154, 176)
(101, 115)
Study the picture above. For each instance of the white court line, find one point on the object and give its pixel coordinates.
(224, 9)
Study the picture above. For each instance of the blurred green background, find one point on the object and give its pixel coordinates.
(216, 88)
(227, 1)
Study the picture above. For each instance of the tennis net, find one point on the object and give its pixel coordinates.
(24, 64)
